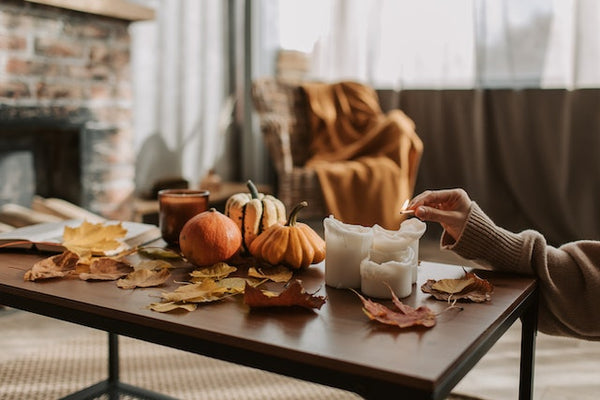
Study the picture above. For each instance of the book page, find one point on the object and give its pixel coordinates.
(49, 236)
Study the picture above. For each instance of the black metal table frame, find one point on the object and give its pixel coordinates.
(367, 387)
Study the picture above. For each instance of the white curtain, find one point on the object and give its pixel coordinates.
(401, 44)
(179, 68)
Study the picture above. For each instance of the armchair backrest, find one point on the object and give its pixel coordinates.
(283, 112)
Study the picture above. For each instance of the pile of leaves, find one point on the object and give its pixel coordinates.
(86, 259)
(470, 287)
(214, 283)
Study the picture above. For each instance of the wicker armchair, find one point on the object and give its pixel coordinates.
(283, 113)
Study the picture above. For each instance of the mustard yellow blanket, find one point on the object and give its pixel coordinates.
(366, 160)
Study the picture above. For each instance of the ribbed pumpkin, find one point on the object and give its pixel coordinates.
(254, 212)
(295, 244)
(208, 238)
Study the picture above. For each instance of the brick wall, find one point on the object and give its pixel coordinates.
(73, 67)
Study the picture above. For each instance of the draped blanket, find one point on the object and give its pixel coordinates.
(366, 161)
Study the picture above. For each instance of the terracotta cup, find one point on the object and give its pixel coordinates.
(176, 207)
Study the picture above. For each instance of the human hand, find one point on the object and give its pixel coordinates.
(449, 207)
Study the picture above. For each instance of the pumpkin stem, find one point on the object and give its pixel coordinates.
(252, 188)
(294, 213)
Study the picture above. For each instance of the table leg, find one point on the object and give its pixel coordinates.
(112, 386)
(528, 336)
(113, 366)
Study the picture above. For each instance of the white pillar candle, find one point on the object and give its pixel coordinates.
(396, 273)
(388, 241)
(389, 245)
(347, 245)
(413, 229)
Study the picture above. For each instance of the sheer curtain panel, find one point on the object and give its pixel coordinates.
(180, 73)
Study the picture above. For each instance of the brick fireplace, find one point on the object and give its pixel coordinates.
(66, 103)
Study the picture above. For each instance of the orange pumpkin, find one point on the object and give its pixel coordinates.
(209, 237)
(295, 244)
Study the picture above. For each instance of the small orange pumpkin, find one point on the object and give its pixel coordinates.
(295, 244)
(209, 237)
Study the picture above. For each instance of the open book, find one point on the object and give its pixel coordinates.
(48, 236)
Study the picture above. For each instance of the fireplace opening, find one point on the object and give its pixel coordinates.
(72, 159)
(40, 160)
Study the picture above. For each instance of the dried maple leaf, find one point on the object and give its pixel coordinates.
(469, 287)
(205, 291)
(144, 278)
(106, 269)
(158, 253)
(170, 306)
(236, 285)
(98, 238)
(209, 290)
(216, 271)
(277, 273)
(405, 317)
(294, 295)
(56, 266)
(452, 285)
(155, 265)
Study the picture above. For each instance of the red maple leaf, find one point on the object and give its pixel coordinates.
(405, 317)
(294, 295)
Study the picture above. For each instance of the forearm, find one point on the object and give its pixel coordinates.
(483, 241)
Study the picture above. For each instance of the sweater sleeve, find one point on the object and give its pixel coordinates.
(568, 276)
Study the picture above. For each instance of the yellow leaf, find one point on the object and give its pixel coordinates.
(277, 273)
(452, 285)
(469, 287)
(209, 290)
(196, 292)
(158, 253)
(170, 306)
(153, 265)
(236, 285)
(216, 271)
(144, 278)
(97, 238)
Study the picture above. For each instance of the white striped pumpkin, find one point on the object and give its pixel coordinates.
(254, 212)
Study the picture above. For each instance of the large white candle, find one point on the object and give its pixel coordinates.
(377, 279)
(347, 245)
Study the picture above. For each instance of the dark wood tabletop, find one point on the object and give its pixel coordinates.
(336, 345)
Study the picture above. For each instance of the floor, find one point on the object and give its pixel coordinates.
(565, 368)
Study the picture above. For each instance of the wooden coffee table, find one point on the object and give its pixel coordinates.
(336, 345)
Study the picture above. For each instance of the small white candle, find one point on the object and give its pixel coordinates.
(396, 273)
(347, 245)
(391, 242)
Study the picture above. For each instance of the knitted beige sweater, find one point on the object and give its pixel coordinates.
(568, 276)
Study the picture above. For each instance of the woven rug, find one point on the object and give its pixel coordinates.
(57, 365)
